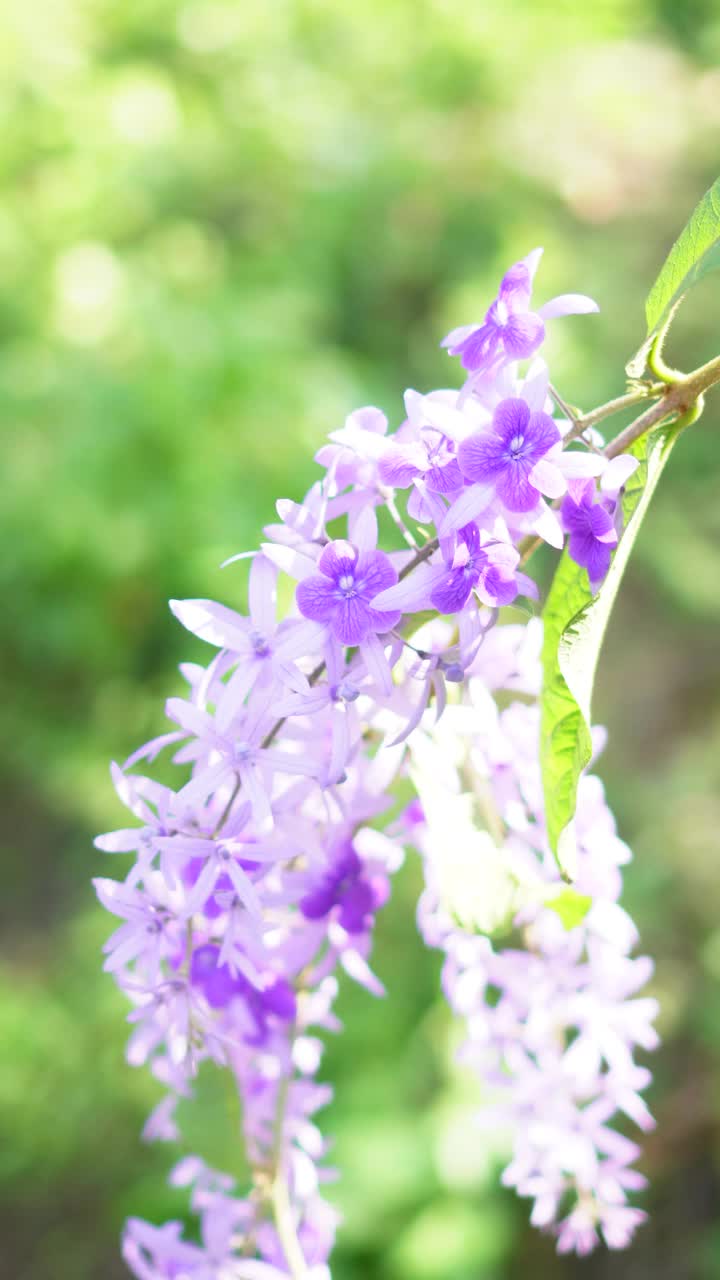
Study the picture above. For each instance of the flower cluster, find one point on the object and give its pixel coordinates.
(259, 877)
(542, 974)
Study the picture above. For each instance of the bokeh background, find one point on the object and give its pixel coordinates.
(224, 224)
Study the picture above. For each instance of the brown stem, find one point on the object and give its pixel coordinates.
(677, 399)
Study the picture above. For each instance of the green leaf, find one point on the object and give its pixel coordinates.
(695, 252)
(575, 624)
(571, 906)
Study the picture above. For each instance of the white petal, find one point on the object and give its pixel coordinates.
(618, 472)
(471, 503)
(535, 387)
(452, 422)
(262, 594)
(363, 529)
(213, 622)
(548, 527)
(377, 664)
(568, 304)
(294, 563)
(548, 479)
(414, 406)
(412, 593)
(457, 335)
(367, 444)
(581, 466)
(532, 261)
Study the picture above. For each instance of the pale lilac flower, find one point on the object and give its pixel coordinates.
(483, 563)
(432, 459)
(259, 880)
(510, 330)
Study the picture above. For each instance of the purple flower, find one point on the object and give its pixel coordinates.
(505, 456)
(214, 980)
(592, 530)
(510, 330)
(489, 570)
(219, 986)
(341, 594)
(432, 459)
(347, 887)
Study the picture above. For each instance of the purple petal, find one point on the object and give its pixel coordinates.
(444, 479)
(375, 573)
(516, 285)
(401, 464)
(510, 419)
(543, 432)
(496, 587)
(382, 620)
(279, 998)
(480, 457)
(320, 901)
(351, 620)
(470, 535)
(217, 983)
(515, 489)
(356, 907)
(592, 555)
(478, 348)
(453, 591)
(573, 515)
(522, 335)
(338, 558)
(316, 598)
(601, 524)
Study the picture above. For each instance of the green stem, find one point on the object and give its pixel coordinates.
(582, 422)
(282, 1209)
(679, 399)
(285, 1226)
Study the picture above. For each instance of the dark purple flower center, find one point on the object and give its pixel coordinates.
(518, 448)
(259, 642)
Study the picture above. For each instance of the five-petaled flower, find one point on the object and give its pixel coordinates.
(510, 330)
(504, 458)
(341, 594)
(347, 886)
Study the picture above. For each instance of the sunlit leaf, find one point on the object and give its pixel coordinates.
(571, 906)
(575, 624)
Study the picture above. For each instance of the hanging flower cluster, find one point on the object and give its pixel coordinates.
(542, 974)
(258, 879)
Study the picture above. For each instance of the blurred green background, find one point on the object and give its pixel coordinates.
(224, 224)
